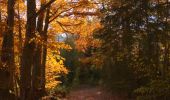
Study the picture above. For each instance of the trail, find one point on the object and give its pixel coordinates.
(91, 93)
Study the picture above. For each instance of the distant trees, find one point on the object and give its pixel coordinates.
(136, 46)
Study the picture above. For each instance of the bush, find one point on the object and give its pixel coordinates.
(60, 91)
(155, 90)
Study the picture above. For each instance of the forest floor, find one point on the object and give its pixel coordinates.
(91, 93)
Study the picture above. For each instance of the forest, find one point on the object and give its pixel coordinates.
(84, 49)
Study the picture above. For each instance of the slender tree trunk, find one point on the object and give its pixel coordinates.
(28, 52)
(7, 57)
(0, 28)
(36, 83)
(1, 31)
(17, 82)
(44, 54)
(38, 58)
(19, 31)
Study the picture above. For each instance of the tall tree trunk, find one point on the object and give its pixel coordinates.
(28, 52)
(7, 57)
(40, 55)
(44, 52)
(1, 31)
(37, 59)
(37, 68)
(19, 31)
(0, 28)
(20, 48)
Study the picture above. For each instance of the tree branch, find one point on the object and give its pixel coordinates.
(44, 7)
(63, 12)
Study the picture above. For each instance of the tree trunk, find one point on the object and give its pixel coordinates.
(19, 31)
(0, 28)
(38, 69)
(44, 54)
(40, 57)
(28, 52)
(7, 57)
(1, 31)
(17, 81)
(36, 83)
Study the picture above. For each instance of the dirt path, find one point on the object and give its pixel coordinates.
(91, 93)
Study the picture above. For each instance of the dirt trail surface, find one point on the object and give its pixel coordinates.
(91, 93)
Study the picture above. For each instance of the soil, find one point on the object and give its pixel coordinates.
(92, 93)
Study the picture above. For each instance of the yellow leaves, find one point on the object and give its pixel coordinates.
(56, 46)
(69, 18)
(56, 28)
(22, 6)
(61, 62)
(37, 39)
(61, 2)
(52, 84)
(54, 66)
(86, 36)
(66, 21)
(75, 17)
(85, 5)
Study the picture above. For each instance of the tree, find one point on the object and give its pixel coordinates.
(133, 36)
(33, 45)
(28, 52)
(39, 62)
(7, 58)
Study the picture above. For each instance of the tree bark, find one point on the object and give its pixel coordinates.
(1, 29)
(28, 52)
(36, 83)
(37, 68)
(40, 55)
(0, 25)
(7, 58)
(44, 54)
